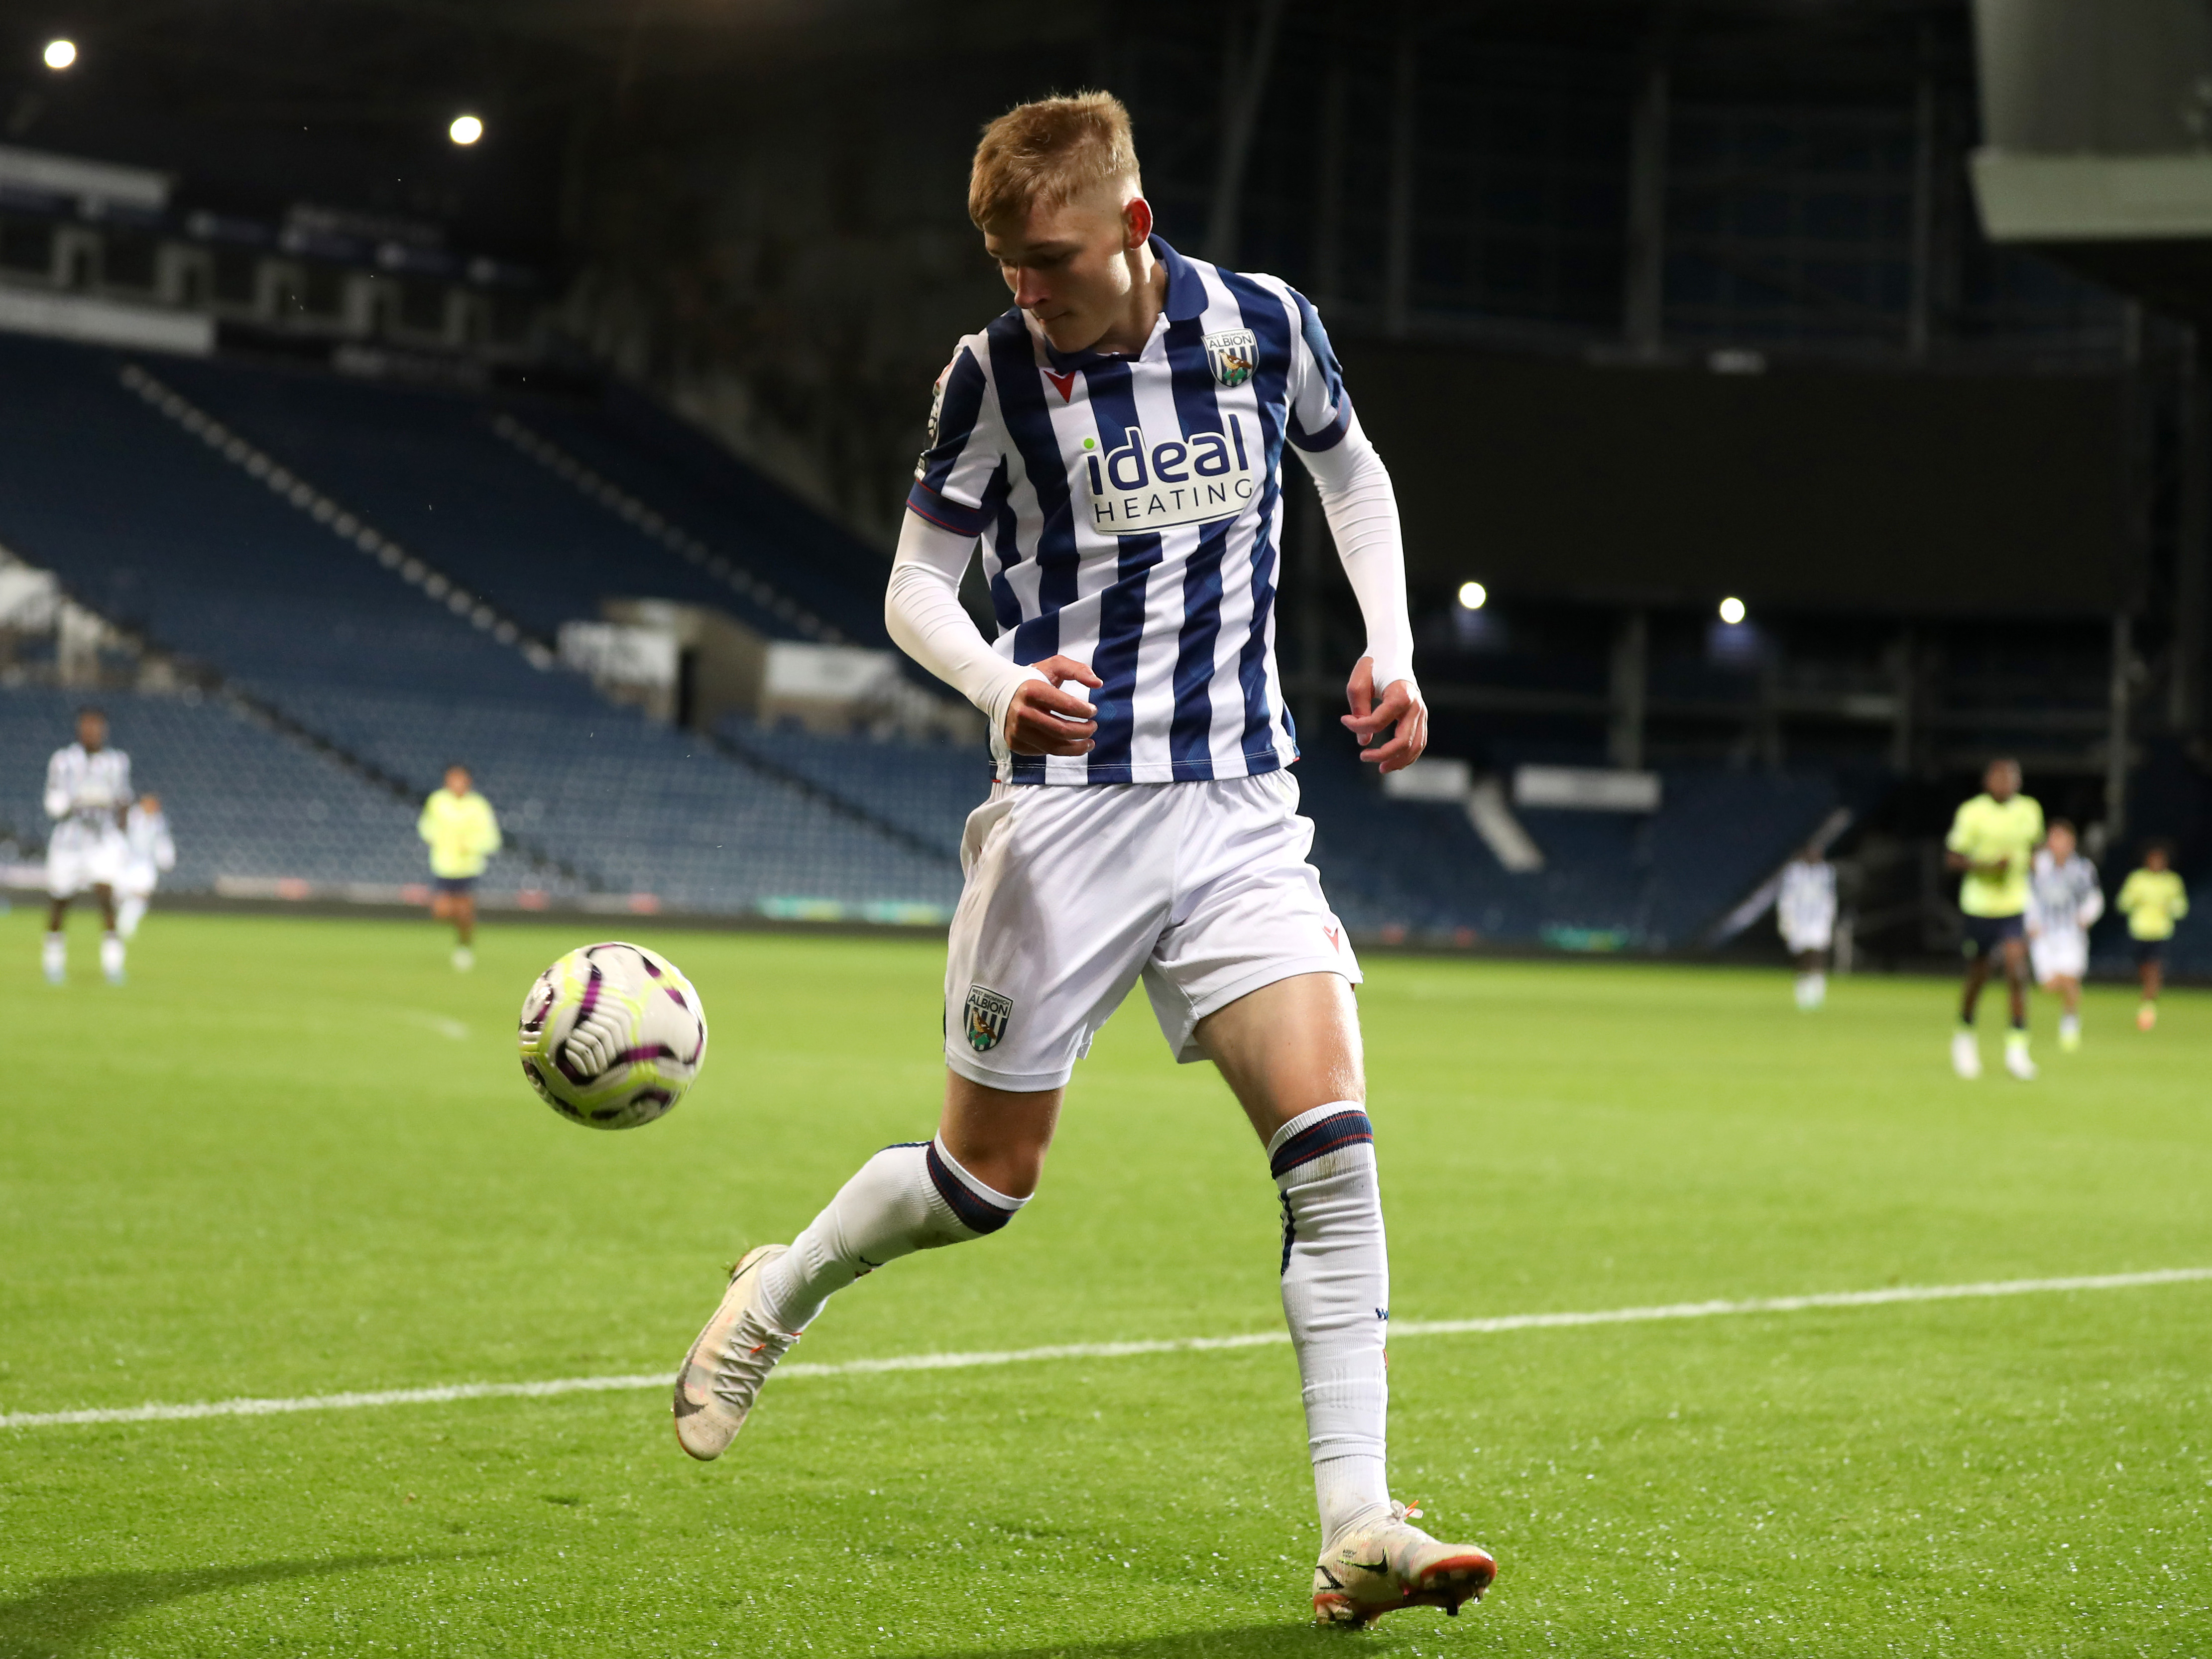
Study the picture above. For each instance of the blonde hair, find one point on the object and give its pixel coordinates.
(1048, 152)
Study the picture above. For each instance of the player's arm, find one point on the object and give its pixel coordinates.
(2092, 903)
(1958, 856)
(488, 841)
(1361, 510)
(59, 798)
(1025, 704)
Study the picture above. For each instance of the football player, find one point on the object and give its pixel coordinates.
(1116, 441)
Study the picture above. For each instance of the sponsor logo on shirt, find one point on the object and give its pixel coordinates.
(1140, 485)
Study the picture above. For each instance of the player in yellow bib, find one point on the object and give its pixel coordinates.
(1992, 840)
(463, 834)
(2152, 899)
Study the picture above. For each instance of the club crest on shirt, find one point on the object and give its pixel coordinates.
(1230, 353)
(987, 1014)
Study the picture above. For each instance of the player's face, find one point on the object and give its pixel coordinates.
(1068, 265)
(2155, 859)
(2061, 845)
(2003, 781)
(457, 780)
(92, 732)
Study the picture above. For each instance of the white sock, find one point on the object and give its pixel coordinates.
(1816, 989)
(1804, 990)
(905, 1198)
(54, 954)
(1336, 1299)
(2068, 1024)
(110, 955)
(129, 912)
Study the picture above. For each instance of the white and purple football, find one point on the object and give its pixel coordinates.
(612, 1036)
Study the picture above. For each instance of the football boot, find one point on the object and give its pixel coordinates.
(723, 1373)
(1374, 1567)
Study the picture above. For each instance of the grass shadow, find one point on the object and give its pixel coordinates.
(1280, 1641)
(61, 1615)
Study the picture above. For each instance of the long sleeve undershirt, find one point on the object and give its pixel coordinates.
(922, 608)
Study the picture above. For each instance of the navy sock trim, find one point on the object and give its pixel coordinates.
(1349, 1128)
(976, 1215)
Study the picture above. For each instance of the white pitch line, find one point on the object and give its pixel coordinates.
(941, 1362)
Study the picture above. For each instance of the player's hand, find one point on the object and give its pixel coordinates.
(1044, 719)
(1400, 712)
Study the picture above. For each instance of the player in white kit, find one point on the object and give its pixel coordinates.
(2064, 899)
(88, 792)
(1806, 911)
(1115, 442)
(148, 853)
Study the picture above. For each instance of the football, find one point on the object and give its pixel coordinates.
(612, 1036)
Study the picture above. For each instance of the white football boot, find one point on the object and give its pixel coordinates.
(463, 958)
(2016, 1060)
(1375, 1567)
(723, 1373)
(1966, 1055)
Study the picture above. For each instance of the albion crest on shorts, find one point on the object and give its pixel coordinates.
(987, 1014)
(1230, 353)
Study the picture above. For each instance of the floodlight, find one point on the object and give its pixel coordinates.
(1472, 596)
(60, 54)
(465, 129)
(1732, 611)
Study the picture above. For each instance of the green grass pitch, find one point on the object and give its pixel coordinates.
(293, 1157)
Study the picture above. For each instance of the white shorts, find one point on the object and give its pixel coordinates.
(1811, 938)
(2055, 954)
(1074, 890)
(79, 857)
(137, 881)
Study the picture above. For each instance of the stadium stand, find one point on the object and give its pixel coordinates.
(245, 802)
(383, 567)
(926, 789)
(637, 806)
(230, 574)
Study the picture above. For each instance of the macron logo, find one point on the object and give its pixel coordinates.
(1139, 486)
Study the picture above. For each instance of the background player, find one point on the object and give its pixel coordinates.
(463, 834)
(1806, 911)
(1120, 428)
(1991, 839)
(2152, 899)
(148, 852)
(2063, 901)
(88, 787)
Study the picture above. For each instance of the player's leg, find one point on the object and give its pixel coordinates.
(111, 939)
(1290, 1052)
(53, 952)
(2013, 950)
(1811, 983)
(2069, 987)
(130, 911)
(914, 1196)
(465, 927)
(1966, 1051)
(1058, 913)
(2150, 973)
(1253, 972)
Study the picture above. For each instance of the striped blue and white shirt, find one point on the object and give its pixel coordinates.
(1130, 514)
(86, 792)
